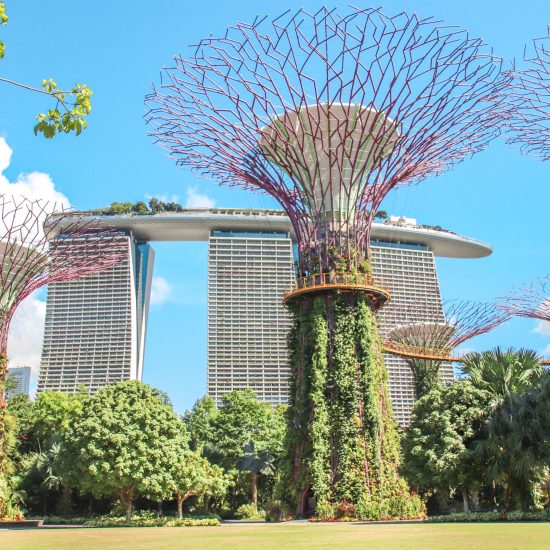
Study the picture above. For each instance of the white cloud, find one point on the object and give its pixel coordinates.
(26, 335)
(198, 200)
(27, 326)
(34, 185)
(542, 327)
(160, 290)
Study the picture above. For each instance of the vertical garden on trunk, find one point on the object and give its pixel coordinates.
(342, 441)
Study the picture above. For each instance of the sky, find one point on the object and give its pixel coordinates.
(119, 48)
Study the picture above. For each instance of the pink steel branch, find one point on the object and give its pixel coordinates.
(37, 248)
(527, 102)
(433, 84)
(435, 340)
(532, 301)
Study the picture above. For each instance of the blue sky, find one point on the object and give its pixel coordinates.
(118, 49)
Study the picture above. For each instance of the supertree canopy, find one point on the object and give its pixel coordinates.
(426, 344)
(527, 102)
(327, 112)
(532, 300)
(36, 249)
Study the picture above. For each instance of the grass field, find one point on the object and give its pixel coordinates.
(530, 536)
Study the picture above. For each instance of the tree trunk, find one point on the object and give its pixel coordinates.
(254, 481)
(180, 506)
(126, 497)
(159, 510)
(206, 504)
(465, 500)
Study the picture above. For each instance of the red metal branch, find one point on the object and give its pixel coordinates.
(526, 105)
(532, 300)
(38, 248)
(328, 112)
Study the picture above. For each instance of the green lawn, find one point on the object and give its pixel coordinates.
(290, 535)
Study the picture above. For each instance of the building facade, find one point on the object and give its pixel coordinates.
(19, 381)
(248, 272)
(409, 271)
(96, 326)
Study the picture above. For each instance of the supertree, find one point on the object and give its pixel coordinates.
(36, 249)
(327, 112)
(527, 102)
(426, 344)
(531, 300)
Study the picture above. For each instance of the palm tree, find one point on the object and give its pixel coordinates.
(510, 442)
(502, 373)
(52, 465)
(255, 462)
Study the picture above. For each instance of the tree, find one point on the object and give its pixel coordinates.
(242, 419)
(193, 475)
(125, 443)
(255, 462)
(140, 208)
(246, 432)
(502, 373)
(200, 422)
(512, 441)
(437, 445)
(71, 107)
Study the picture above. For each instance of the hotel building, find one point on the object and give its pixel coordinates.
(95, 327)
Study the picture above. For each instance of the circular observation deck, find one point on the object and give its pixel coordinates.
(338, 283)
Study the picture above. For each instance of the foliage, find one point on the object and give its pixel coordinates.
(342, 442)
(437, 444)
(249, 511)
(502, 373)
(139, 208)
(125, 443)
(275, 511)
(200, 424)
(517, 515)
(193, 475)
(71, 108)
(151, 520)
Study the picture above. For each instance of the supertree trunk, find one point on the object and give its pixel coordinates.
(342, 441)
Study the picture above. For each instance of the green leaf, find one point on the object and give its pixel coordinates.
(3, 17)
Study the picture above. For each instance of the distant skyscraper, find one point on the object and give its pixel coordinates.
(19, 378)
(96, 326)
(248, 273)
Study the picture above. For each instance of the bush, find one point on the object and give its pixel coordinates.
(275, 511)
(247, 511)
(536, 515)
(148, 521)
(345, 510)
(325, 511)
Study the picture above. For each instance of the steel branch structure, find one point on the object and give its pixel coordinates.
(527, 102)
(532, 300)
(435, 341)
(31, 257)
(327, 112)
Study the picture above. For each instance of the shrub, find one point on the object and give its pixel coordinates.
(535, 515)
(146, 520)
(325, 511)
(345, 510)
(275, 511)
(247, 511)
